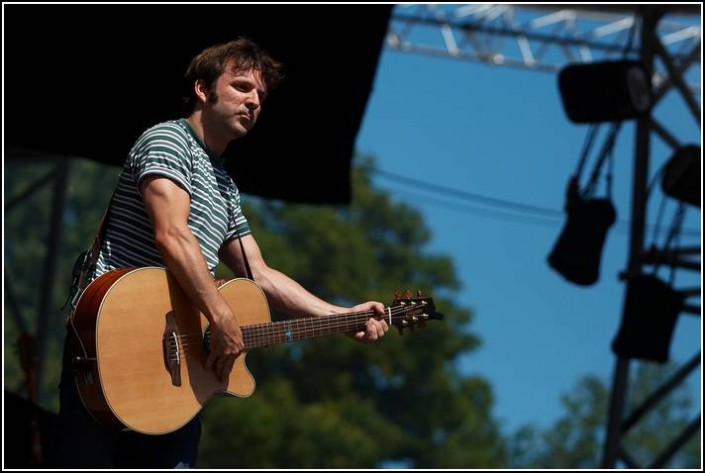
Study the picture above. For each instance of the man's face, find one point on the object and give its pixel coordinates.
(235, 101)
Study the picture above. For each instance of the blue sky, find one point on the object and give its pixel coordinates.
(502, 133)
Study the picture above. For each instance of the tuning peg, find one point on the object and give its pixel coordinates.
(418, 293)
(402, 326)
(397, 294)
(408, 294)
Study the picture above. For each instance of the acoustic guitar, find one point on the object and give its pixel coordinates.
(139, 346)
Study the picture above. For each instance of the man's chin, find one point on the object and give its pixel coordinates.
(240, 131)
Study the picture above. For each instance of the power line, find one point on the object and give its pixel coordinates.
(524, 212)
(484, 212)
(518, 207)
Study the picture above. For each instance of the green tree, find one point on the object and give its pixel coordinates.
(28, 187)
(331, 402)
(576, 440)
(324, 403)
(334, 403)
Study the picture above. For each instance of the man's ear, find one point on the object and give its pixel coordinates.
(200, 89)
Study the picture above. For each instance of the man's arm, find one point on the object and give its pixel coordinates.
(288, 296)
(168, 207)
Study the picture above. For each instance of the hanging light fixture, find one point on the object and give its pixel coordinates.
(605, 91)
(649, 317)
(682, 175)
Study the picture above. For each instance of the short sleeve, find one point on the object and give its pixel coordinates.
(163, 150)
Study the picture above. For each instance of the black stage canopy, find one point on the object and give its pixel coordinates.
(86, 80)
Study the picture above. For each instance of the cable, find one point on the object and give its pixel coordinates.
(470, 196)
(542, 215)
(492, 213)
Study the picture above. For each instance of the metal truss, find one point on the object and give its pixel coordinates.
(537, 37)
(546, 38)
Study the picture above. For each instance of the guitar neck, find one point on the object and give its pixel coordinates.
(262, 335)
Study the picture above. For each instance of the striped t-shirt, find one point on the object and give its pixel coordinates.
(173, 150)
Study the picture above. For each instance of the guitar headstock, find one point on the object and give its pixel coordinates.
(407, 311)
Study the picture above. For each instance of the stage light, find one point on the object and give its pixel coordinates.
(681, 176)
(605, 91)
(649, 317)
(577, 253)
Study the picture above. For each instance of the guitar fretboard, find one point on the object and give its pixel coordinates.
(291, 330)
(262, 335)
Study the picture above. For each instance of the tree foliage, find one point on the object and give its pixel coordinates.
(30, 186)
(324, 403)
(576, 440)
(334, 403)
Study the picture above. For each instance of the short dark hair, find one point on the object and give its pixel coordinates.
(210, 63)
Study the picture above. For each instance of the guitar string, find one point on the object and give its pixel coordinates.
(327, 321)
(334, 321)
(272, 334)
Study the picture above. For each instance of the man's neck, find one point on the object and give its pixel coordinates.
(196, 122)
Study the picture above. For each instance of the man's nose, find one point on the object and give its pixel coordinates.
(252, 101)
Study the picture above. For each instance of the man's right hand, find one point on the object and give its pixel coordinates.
(226, 345)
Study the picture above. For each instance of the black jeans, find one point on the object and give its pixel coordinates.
(79, 442)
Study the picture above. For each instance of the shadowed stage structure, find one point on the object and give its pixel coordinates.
(25, 424)
(85, 81)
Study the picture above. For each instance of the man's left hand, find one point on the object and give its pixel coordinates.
(376, 326)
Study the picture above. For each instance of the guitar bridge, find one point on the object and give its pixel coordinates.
(172, 352)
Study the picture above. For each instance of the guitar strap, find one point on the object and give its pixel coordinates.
(87, 260)
(244, 255)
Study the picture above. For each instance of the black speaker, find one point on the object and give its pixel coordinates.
(650, 312)
(605, 91)
(578, 251)
(681, 176)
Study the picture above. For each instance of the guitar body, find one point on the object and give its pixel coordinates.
(138, 349)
